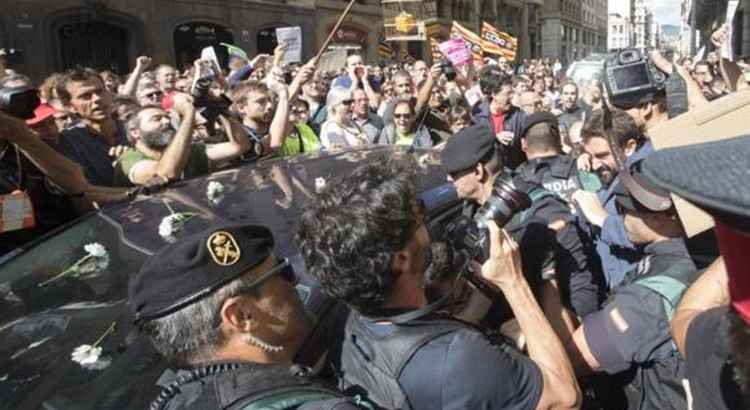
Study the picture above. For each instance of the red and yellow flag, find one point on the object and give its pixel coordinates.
(498, 43)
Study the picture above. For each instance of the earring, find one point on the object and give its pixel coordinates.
(250, 339)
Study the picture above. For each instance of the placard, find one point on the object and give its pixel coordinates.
(456, 51)
(292, 37)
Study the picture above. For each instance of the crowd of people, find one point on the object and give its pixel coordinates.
(590, 293)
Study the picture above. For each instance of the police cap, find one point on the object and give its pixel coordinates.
(184, 272)
(637, 193)
(539, 118)
(465, 149)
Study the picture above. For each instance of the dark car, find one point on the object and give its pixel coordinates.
(67, 292)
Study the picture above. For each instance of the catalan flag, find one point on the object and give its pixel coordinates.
(498, 43)
(472, 39)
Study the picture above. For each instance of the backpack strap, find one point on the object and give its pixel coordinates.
(285, 398)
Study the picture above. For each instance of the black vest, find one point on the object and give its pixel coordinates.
(557, 174)
(371, 364)
(235, 386)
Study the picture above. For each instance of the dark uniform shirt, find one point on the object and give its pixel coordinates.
(91, 151)
(708, 365)
(630, 337)
(559, 174)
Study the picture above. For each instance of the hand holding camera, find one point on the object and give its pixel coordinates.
(503, 267)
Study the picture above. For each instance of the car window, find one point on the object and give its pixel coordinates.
(66, 292)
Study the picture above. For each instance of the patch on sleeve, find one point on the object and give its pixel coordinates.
(620, 323)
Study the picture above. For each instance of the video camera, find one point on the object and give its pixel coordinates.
(470, 236)
(631, 78)
(19, 102)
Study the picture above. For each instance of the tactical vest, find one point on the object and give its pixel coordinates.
(372, 363)
(656, 382)
(560, 175)
(237, 386)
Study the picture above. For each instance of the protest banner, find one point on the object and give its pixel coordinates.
(292, 37)
(472, 40)
(456, 51)
(498, 43)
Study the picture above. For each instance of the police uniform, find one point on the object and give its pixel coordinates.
(559, 174)
(713, 176)
(185, 272)
(546, 254)
(630, 337)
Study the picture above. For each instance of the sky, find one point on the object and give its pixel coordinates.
(665, 11)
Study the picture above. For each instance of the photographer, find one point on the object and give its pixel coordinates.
(554, 257)
(394, 339)
(162, 152)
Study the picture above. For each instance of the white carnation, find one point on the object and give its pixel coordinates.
(96, 249)
(166, 227)
(90, 357)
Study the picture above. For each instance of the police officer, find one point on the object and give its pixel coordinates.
(546, 164)
(553, 253)
(222, 308)
(712, 323)
(629, 338)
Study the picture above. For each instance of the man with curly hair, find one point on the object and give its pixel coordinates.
(365, 239)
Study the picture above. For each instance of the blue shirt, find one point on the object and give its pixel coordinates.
(618, 255)
(91, 151)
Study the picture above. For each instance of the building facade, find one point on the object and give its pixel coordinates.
(643, 25)
(619, 34)
(573, 29)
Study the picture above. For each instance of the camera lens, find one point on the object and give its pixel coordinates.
(505, 202)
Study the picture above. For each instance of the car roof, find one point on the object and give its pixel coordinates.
(41, 325)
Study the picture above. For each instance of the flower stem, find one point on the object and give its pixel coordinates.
(72, 268)
(106, 333)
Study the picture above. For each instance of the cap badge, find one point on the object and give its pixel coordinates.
(223, 248)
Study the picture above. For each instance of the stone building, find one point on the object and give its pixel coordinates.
(619, 33)
(573, 29)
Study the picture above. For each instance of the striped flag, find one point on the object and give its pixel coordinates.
(472, 39)
(384, 48)
(498, 43)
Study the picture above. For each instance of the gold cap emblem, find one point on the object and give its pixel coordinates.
(223, 248)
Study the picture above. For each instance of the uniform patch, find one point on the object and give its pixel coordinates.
(619, 321)
(223, 248)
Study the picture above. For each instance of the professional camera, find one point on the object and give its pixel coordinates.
(631, 78)
(19, 102)
(447, 68)
(210, 107)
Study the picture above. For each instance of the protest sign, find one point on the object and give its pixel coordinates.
(292, 37)
(472, 40)
(333, 60)
(456, 51)
(498, 43)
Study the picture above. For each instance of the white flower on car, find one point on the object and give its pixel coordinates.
(320, 183)
(215, 191)
(95, 260)
(90, 357)
(173, 223)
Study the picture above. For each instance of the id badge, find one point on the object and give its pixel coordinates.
(16, 212)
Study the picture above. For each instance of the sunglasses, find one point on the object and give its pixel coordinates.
(402, 116)
(155, 94)
(283, 269)
(299, 111)
(347, 102)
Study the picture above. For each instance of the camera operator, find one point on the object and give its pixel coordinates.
(160, 151)
(712, 323)
(629, 338)
(554, 256)
(366, 241)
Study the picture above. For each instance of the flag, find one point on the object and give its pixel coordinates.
(498, 43)
(235, 51)
(472, 39)
(385, 49)
(437, 55)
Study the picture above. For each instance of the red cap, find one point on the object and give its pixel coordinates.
(41, 113)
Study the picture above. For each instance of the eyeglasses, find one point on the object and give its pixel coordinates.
(347, 102)
(405, 116)
(283, 269)
(155, 94)
(299, 112)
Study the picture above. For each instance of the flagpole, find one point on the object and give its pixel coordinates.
(335, 28)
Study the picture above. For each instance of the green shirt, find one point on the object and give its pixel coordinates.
(197, 164)
(302, 139)
(407, 139)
